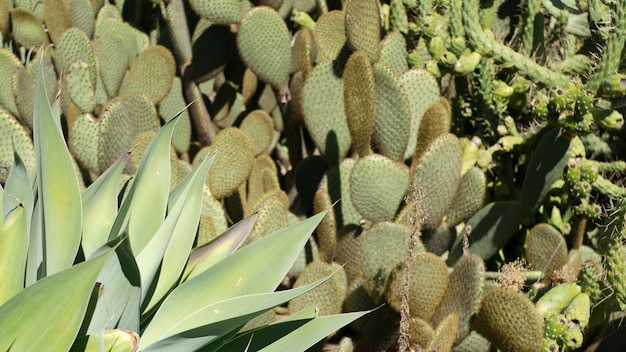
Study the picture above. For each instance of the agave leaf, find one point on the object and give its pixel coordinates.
(206, 256)
(212, 321)
(256, 268)
(13, 253)
(117, 340)
(119, 300)
(180, 227)
(48, 299)
(58, 189)
(100, 207)
(143, 209)
(294, 333)
(18, 189)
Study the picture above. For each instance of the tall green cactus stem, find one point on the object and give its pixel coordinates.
(532, 32)
(611, 246)
(490, 47)
(359, 92)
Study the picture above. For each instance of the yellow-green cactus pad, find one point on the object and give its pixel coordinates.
(392, 121)
(263, 178)
(171, 105)
(428, 283)
(24, 86)
(84, 141)
(116, 134)
(151, 74)
(363, 26)
(272, 217)
(435, 122)
(443, 338)
(260, 126)
(382, 247)
(58, 18)
(114, 29)
(327, 229)
(5, 22)
(233, 162)
(218, 11)
(377, 187)
(14, 138)
(328, 297)
(469, 197)
(422, 91)
(74, 45)
(330, 34)
(349, 238)
(438, 173)
(324, 111)
(113, 60)
(393, 53)
(263, 41)
(81, 92)
(546, 249)
(142, 114)
(464, 293)
(360, 101)
(510, 321)
(337, 182)
(28, 30)
(82, 16)
(420, 331)
(8, 64)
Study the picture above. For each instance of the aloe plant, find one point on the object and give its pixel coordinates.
(82, 271)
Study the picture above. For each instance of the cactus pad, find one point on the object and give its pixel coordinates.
(393, 53)
(510, 321)
(212, 47)
(469, 197)
(363, 26)
(151, 73)
(264, 45)
(377, 187)
(15, 137)
(435, 122)
(81, 91)
(360, 101)
(84, 140)
(171, 105)
(328, 297)
(324, 112)
(546, 249)
(233, 162)
(218, 11)
(142, 114)
(330, 34)
(8, 64)
(58, 18)
(327, 229)
(116, 134)
(28, 31)
(260, 126)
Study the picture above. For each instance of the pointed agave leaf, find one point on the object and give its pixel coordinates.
(58, 189)
(117, 340)
(210, 322)
(187, 197)
(206, 256)
(48, 299)
(291, 334)
(13, 253)
(100, 207)
(143, 209)
(18, 190)
(256, 268)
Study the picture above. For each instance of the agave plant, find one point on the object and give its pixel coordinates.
(111, 267)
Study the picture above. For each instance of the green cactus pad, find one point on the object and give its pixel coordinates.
(272, 217)
(302, 47)
(382, 247)
(218, 11)
(81, 91)
(8, 64)
(359, 91)
(422, 91)
(439, 173)
(330, 34)
(151, 73)
(510, 321)
(420, 331)
(428, 283)
(464, 293)
(263, 178)
(28, 30)
(435, 122)
(212, 47)
(114, 29)
(58, 18)
(213, 208)
(327, 229)
(546, 249)
(14, 137)
(375, 199)
(328, 297)
(171, 105)
(349, 239)
(263, 41)
(474, 342)
(24, 86)
(469, 197)
(306, 54)
(233, 162)
(74, 45)
(260, 126)
(142, 114)
(440, 239)
(392, 120)
(85, 141)
(363, 26)
(116, 134)
(82, 14)
(324, 111)
(444, 335)
(113, 60)
(393, 53)
(337, 182)
(5, 22)
(227, 105)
